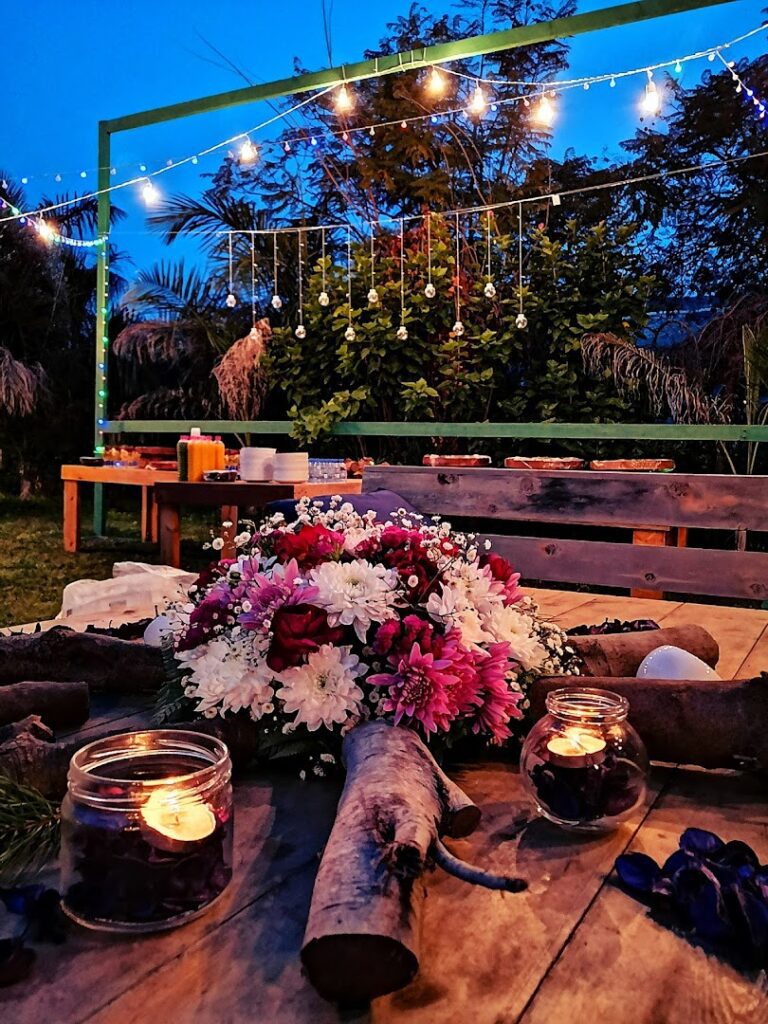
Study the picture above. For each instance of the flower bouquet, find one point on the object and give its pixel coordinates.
(339, 618)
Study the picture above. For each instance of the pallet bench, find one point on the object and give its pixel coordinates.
(635, 501)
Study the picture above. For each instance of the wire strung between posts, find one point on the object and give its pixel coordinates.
(520, 254)
(253, 280)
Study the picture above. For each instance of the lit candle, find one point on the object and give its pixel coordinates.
(575, 748)
(171, 820)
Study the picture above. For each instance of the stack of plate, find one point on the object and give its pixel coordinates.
(257, 464)
(291, 467)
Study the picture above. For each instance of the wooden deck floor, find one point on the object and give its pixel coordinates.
(573, 947)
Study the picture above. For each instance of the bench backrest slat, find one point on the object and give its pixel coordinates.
(584, 497)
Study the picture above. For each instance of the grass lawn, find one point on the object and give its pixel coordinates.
(34, 568)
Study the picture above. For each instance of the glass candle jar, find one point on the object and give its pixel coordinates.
(146, 830)
(583, 763)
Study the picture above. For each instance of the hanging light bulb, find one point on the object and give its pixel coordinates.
(345, 100)
(478, 104)
(46, 231)
(544, 114)
(436, 83)
(650, 104)
(248, 152)
(678, 68)
(149, 193)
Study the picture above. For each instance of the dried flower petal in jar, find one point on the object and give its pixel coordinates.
(146, 830)
(583, 763)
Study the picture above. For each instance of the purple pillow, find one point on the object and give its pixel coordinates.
(381, 501)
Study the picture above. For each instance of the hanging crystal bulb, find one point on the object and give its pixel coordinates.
(254, 333)
(373, 296)
(301, 332)
(430, 291)
(277, 302)
(349, 334)
(490, 290)
(458, 328)
(521, 321)
(402, 333)
(231, 301)
(324, 299)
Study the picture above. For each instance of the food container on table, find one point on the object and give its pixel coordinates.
(544, 462)
(219, 476)
(146, 840)
(583, 764)
(257, 464)
(291, 467)
(457, 461)
(634, 465)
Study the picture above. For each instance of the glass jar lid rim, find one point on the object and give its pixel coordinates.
(587, 704)
(106, 750)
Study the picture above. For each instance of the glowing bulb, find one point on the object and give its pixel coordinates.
(613, 83)
(478, 103)
(345, 100)
(248, 152)
(149, 193)
(544, 114)
(711, 57)
(287, 147)
(46, 231)
(436, 83)
(678, 68)
(650, 104)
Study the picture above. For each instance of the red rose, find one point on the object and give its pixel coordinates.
(310, 546)
(500, 568)
(299, 629)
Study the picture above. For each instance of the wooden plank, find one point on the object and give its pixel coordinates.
(554, 603)
(589, 498)
(738, 574)
(650, 538)
(281, 827)
(71, 516)
(756, 660)
(735, 629)
(244, 493)
(466, 973)
(130, 475)
(620, 966)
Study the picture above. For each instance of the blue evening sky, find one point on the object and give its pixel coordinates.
(65, 65)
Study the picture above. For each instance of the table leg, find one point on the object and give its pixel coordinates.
(154, 531)
(98, 510)
(170, 535)
(229, 515)
(146, 504)
(71, 515)
(651, 538)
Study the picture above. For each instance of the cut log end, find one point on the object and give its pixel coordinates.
(352, 968)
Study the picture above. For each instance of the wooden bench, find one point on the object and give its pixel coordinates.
(635, 501)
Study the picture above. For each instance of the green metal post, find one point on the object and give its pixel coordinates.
(101, 351)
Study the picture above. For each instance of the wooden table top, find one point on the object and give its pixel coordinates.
(573, 947)
(244, 492)
(116, 475)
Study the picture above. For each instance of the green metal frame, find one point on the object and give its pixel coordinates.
(475, 46)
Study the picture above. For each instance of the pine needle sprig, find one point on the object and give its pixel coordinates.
(30, 831)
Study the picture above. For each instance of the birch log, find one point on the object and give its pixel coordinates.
(362, 936)
(620, 654)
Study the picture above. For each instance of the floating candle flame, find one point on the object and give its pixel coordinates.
(576, 748)
(172, 819)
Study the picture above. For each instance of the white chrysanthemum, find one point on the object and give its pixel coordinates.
(226, 677)
(325, 690)
(355, 593)
(473, 587)
(509, 625)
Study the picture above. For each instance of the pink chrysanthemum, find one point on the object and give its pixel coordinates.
(418, 690)
(262, 595)
(498, 702)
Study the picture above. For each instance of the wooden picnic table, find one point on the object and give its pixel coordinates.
(74, 477)
(572, 947)
(230, 497)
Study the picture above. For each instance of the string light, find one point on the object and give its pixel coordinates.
(149, 193)
(741, 88)
(437, 83)
(248, 152)
(650, 104)
(46, 231)
(402, 330)
(478, 104)
(345, 100)
(544, 113)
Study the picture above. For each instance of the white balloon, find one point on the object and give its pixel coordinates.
(157, 631)
(670, 662)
